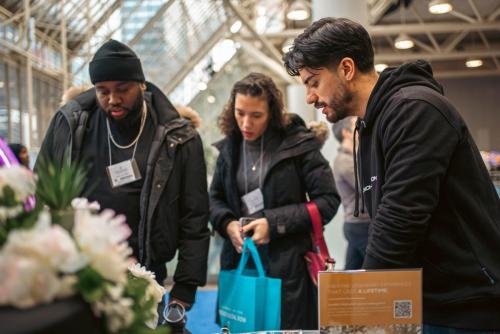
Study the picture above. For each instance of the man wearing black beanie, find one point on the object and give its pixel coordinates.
(144, 162)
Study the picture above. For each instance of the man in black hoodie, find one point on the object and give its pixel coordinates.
(428, 193)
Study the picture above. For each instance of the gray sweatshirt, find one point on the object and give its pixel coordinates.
(343, 172)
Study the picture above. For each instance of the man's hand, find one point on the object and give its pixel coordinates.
(187, 306)
(260, 228)
(234, 232)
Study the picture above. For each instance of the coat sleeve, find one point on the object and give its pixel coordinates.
(317, 179)
(55, 141)
(418, 142)
(194, 236)
(220, 213)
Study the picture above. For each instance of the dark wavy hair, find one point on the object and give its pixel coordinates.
(326, 42)
(254, 84)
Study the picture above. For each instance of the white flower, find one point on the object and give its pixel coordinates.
(117, 309)
(140, 271)
(67, 286)
(10, 212)
(25, 282)
(20, 179)
(154, 291)
(51, 245)
(83, 203)
(102, 238)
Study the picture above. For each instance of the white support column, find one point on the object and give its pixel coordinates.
(355, 10)
(64, 47)
(29, 76)
(296, 102)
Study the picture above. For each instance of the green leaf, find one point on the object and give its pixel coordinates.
(58, 184)
(91, 285)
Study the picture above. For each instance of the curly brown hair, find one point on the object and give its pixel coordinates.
(255, 84)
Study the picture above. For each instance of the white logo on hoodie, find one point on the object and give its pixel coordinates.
(373, 179)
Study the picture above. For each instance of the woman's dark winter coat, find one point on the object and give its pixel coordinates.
(296, 168)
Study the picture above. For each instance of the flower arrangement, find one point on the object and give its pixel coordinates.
(42, 260)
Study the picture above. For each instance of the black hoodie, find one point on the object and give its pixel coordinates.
(431, 199)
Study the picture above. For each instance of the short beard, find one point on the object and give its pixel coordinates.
(132, 120)
(341, 104)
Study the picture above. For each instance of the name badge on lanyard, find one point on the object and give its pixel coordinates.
(124, 172)
(254, 201)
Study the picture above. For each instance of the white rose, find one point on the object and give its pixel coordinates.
(154, 291)
(20, 179)
(49, 244)
(80, 203)
(102, 238)
(25, 282)
(117, 311)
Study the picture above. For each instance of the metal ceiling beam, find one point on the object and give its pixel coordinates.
(453, 40)
(92, 30)
(82, 27)
(70, 15)
(395, 29)
(388, 57)
(494, 15)
(19, 15)
(463, 16)
(429, 35)
(465, 73)
(424, 46)
(246, 22)
(88, 56)
(196, 58)
(151, 22)
(271, 64)
(475, 10)
(47, 10)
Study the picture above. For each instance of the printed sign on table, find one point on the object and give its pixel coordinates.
(374, 301)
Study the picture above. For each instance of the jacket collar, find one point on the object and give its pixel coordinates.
(296, 140)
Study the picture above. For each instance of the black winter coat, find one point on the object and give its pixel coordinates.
(174, 198)
(431, 200)
(296, 168)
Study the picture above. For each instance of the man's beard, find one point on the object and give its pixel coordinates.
(340, 104)
(132, 121)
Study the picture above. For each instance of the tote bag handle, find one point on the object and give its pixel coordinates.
(249, 249)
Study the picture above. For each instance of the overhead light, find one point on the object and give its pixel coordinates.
(403, 42)
(440, 7)
(380, 67)
(471, 63)
(235, 27)
(202, 86)
(211, 99)
(287, 45)
(298, 11)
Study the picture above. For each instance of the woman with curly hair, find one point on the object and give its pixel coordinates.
(268, 167)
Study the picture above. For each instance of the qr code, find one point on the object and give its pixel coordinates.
(403, 309)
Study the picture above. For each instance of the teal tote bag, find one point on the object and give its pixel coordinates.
(248, 300)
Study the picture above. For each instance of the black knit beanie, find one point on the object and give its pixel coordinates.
(115, 61)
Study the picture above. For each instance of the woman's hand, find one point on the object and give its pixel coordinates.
(260, 228)
(234, 232)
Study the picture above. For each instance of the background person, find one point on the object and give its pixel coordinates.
(355, 228)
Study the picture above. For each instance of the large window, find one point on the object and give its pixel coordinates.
(14, 104)
(4, 115)
(14, 116)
